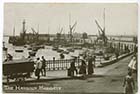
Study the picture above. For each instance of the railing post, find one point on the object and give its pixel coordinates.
(53, 63)
(49, 64)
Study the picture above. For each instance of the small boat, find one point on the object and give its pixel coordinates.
(29, 48)
(80, 54)
(70, 50)
(66, 52)
(39, 47)
(55, 48)
(78, 47)
(60, 50)
(36, 48)
(18, 50)
(25, 46)
(106, 57)
(32, 53)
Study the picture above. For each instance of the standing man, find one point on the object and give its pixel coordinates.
(90, 66)
(132, 65)
(43, 66)
(38, 68)
(73, 67)
(94, 61)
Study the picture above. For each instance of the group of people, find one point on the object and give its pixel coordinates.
(129, 82)
(132, 66)
(40, 67)
(87, 66)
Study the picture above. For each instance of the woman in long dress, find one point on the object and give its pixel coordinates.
(129, 84)
(83, 68)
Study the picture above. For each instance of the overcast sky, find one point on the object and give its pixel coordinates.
(121, 19)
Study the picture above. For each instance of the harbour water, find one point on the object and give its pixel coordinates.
(47, 52)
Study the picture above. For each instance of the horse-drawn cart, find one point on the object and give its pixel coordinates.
(16, 69)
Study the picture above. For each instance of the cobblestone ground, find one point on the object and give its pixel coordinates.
(107, 80)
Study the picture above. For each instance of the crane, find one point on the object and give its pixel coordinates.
(102, 36)
(72, 29)
(59, 35)
(35, 34)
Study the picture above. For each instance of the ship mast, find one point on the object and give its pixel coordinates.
(70, 27)
(14, 31)
(101, 30)
(104, 18)
(38, 29)
(24, 31)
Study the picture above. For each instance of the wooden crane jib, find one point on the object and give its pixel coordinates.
(98, 26)
(101, 33)
(72, 29)
(61, 30)
(35, 34)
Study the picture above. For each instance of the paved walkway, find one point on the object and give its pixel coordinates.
(60, 74)
(56, 75)
(109, 80)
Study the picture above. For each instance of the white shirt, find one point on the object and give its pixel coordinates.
(132, 64)
(38, 64)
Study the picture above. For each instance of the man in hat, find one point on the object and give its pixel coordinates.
(132, 64)
(90, 65)
(38, 68)
(73, 67)
(43, 66)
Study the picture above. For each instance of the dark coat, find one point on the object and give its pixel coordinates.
(83, 68)
(90, 66)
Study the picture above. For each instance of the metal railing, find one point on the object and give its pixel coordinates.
(52, 65)
(64, 64)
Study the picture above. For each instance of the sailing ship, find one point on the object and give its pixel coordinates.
(18, 40)
(26, 38)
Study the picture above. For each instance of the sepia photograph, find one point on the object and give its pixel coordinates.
(74, 48)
